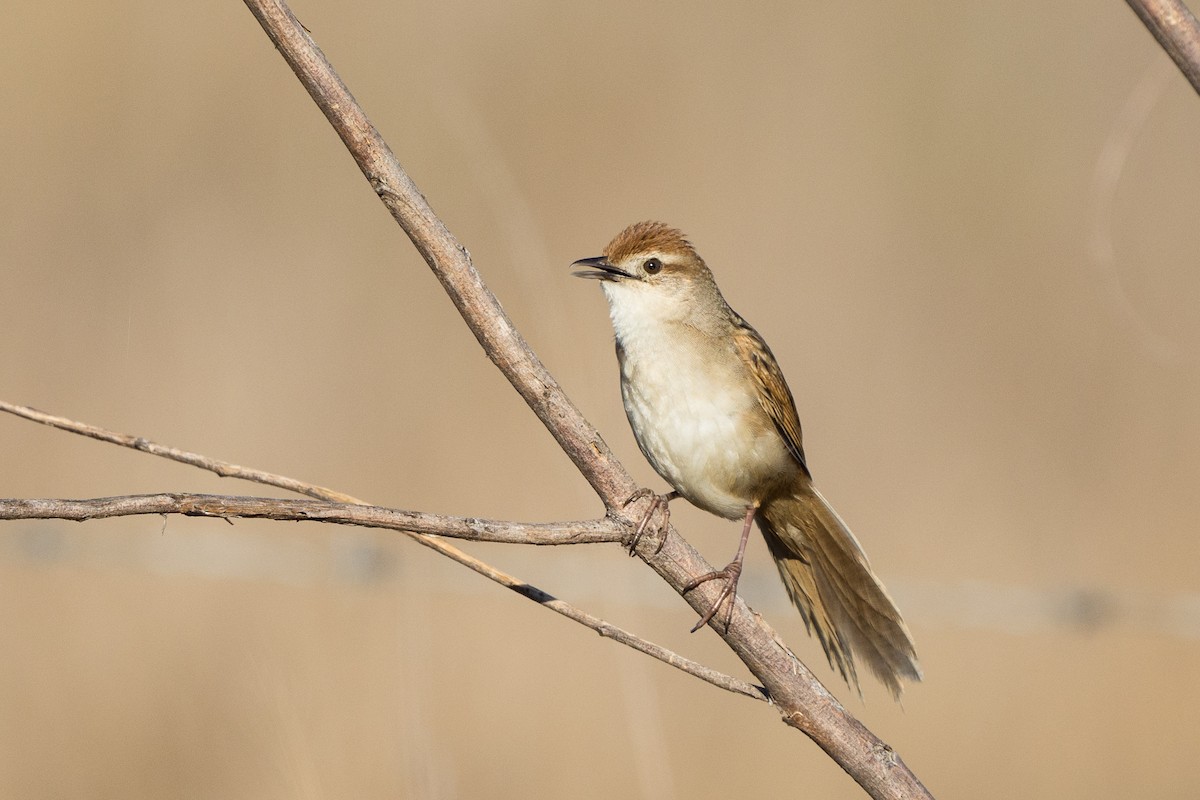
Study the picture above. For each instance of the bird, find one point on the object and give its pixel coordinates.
(712, 413)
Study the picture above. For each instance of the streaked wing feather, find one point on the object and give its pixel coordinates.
(774, 396)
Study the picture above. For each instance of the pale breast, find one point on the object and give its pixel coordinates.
(696, 416)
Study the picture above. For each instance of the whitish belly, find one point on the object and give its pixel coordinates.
(703, 430)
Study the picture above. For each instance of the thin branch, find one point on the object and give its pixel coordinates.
(449, 260)
(1176, 29)
(225, 468)
(592, 531)
(800, 698)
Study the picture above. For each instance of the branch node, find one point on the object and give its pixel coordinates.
(384, 189)
(798, 720)
(885, 755)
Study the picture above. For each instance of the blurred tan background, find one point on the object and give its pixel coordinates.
(969, 233)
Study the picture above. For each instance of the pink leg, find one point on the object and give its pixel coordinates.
(730, 574)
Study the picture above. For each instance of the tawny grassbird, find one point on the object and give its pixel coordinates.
(711, 411)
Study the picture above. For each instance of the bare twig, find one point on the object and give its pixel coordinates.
(225, 468)
(1176, 29)
(801, 699)
(448, 259)
(225, 506)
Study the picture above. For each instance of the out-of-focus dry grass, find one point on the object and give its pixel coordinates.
(902, 199)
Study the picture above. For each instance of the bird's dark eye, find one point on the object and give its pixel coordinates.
(652, 266)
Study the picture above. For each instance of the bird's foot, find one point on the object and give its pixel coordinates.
(661, 501)
(730, 575)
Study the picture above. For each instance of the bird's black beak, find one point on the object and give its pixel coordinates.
(598, 268)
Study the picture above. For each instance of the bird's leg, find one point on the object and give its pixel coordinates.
(660, 501)
(730, 574)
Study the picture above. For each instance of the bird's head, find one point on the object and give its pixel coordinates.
(651, 267)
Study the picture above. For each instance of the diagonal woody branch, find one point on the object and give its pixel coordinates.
(1177, 31)
(449, 260)
(801, 699)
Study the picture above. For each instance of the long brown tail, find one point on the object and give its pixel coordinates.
(830, 580)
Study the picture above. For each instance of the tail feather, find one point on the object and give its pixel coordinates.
(830, 581)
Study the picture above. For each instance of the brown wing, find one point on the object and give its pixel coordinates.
(774, 395)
